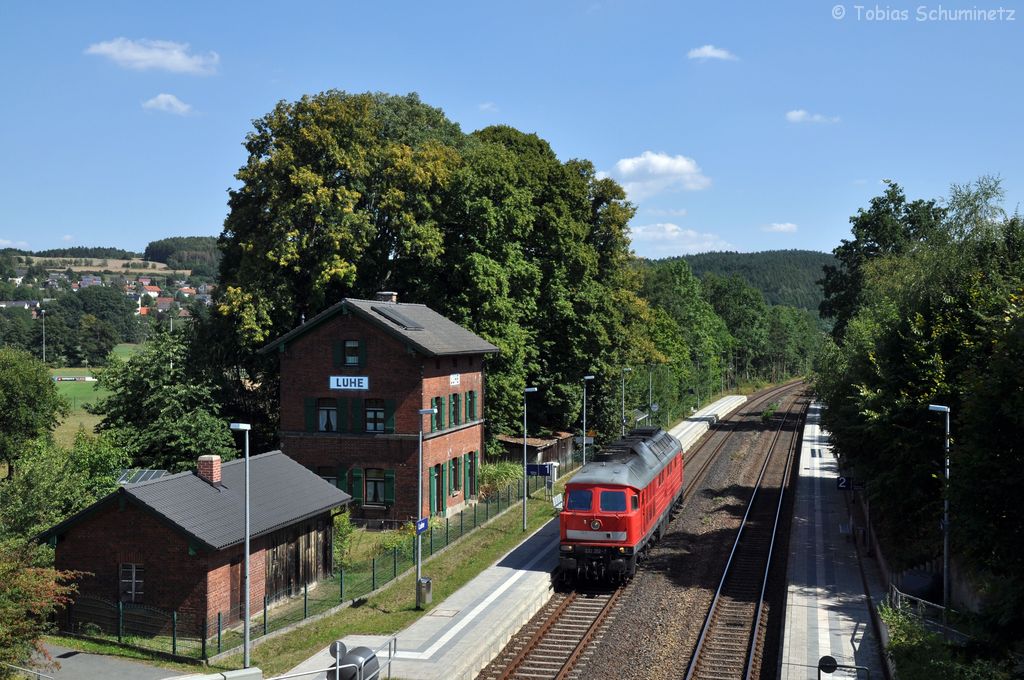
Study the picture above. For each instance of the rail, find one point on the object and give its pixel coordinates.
(30, 672)
(740, 535)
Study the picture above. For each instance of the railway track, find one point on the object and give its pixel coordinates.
(728, 646)
(554, 640)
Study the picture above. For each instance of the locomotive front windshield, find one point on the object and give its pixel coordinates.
(613, 501)
(579, 499)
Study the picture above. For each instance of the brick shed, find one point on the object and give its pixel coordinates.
(353, 379)
(176, 542)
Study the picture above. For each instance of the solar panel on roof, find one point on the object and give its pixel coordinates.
(395, 316)
(136, 475)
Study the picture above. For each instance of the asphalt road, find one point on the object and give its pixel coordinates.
(75, 665)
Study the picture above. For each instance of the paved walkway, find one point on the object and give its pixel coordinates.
(460, 635)
(75, 665)
(827, 610)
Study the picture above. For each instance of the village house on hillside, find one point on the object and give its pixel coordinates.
(176, 542)
(353, 380)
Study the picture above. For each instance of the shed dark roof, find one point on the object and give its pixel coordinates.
(425, 330)
(281, 493)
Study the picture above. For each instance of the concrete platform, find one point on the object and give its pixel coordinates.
(827, 606)
(462, 634)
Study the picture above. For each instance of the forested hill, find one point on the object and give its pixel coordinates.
(198, 253)
(786, 277)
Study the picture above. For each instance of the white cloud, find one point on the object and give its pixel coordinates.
(142, 55)
(705, 52)
(67, 238)
(666, 238)
(802, 116)
(167, 103)
(7, 243)
(651, 173)
(780, 228)
(488, 107)
(670, 212)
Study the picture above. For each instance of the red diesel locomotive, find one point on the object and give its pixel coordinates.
(618, 504)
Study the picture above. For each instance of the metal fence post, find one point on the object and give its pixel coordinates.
(446, 525)
(373, 573)
(120, 621)
(219, 629)
(174, 632)
(474, 513)
(394, 562)
(206, 625)
(462, 522)
(305, 600)
(341, 584)
(264, 614)
(431, 539)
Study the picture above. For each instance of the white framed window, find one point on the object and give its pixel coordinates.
(351, 352)
(327, 415)
(131, 582)
(374, 487)
(374, 415)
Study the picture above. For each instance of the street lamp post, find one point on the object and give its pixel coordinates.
(625, 370)
(650, 393)
(586, 379)
(945, 518)
(245, 427)
(525, 392)
(419, 504)
(42, 313)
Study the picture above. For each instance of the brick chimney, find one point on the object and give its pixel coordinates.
(387, 296)
(209, 469)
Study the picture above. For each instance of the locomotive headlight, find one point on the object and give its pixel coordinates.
(595, 524)
(565, 548)
(622, 550)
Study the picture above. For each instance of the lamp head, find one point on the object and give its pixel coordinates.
(426, 411)
(240, 426)
(588, 377)
(937, 407)
(530, 389)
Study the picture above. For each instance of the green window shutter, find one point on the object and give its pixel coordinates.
(389, 487)
(389, 415)
(362, 353)
(466, 462)
(433, 489)
(310, 406)
(472, 404)
(441, 413)
(338, 353)
(442, 502)
(358, 416)
(476, 471)
(341, 480)
(469, 406)
(357, 485)
(342, 414)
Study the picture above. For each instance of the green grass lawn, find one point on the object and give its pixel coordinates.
(79, 394)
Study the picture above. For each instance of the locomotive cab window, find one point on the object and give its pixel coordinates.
(579, 499)
(613, 501)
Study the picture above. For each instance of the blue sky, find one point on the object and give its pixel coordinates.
(738, 126)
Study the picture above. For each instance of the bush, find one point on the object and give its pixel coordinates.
(921, 654)
(496, 476)
(343, 529)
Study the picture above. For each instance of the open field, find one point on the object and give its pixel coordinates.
(109, 265)
(79, 394)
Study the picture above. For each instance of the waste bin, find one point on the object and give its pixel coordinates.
(424, 596)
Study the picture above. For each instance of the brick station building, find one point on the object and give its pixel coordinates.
(177, 542)
(353, 379)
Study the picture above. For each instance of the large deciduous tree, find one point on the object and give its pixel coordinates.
(29, 402)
